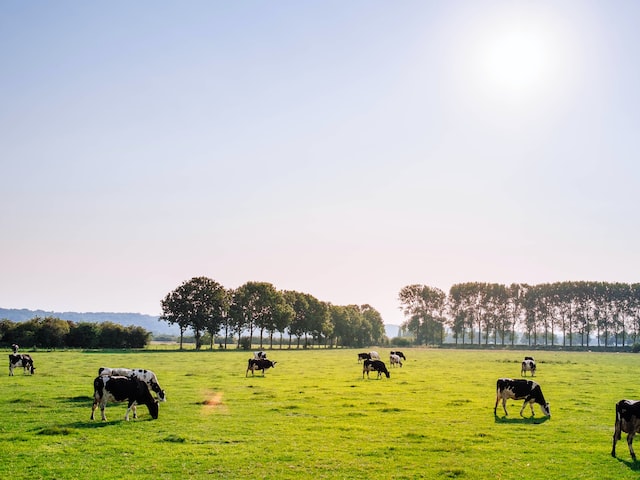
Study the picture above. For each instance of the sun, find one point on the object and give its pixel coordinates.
(517, 61)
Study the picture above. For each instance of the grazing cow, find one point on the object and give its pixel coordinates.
(147, 376)
(375, 366)
(520, 389)
(120, 389)
(395, 360)
(528, 366)
(259, 364)
(21, 360)
(363, 356)
(260, 355)
(399, 353)
(627, 421)
(374, 355)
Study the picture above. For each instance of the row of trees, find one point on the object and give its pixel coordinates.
(52, 332)
(573, 313)
(203, 305)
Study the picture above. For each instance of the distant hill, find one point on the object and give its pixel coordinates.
(148, 322)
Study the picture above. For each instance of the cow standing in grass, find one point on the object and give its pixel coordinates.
(528, 365)
(121, 389)
(21, 360)
(374, 366)
(395, 360)
(520, 389)
(627, 421)
(259, 364)
(147, 376)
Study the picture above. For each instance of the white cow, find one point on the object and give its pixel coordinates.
(147, 376)
(395, 360)
(374, 355)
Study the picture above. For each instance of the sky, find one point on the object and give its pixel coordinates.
(341, 149)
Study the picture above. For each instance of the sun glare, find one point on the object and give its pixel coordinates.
(517, 61)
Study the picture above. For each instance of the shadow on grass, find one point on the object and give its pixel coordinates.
(521, 420)
(635, 466)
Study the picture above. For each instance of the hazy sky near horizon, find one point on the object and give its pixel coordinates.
(341, 149)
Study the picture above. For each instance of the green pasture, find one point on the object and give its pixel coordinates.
(314, 416)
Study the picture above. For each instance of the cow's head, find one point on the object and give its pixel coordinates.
(546, 410)
(153, 409)
(159, 392)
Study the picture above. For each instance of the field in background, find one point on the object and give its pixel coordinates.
(315, 416)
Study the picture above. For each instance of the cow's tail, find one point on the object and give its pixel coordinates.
(617, 430)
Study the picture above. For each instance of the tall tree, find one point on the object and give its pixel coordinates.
(198, 304)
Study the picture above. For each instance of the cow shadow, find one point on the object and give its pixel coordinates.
(521, 420)
(635, 466)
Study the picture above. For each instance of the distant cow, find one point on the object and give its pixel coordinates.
(529, 358)
(259, 364)
(395, 360)
(21, 360)
(260, 355)
(363, 356)
(373, 355)
(627, 421)
(399, 353)
(374, 366)
(121, 389)
(14, 347)
(520, 389)
(147, 376)
(528, 365)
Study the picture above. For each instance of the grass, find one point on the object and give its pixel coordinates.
(314, 416)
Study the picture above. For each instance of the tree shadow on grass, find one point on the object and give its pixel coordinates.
(521, 420)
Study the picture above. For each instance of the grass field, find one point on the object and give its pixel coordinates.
(314, 416)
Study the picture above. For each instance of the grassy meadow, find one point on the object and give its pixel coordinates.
(314, 416)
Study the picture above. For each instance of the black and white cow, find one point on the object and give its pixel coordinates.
(21, 360)
(399, 353)
(260, 355)
(147, 376)
(528, 365)
(363, 356)
(520, 389)
(122, 389)
(395, 359)
(374, 366)
(627, 421)
(259, 364)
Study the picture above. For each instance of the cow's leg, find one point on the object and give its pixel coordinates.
(102, 407)
(93, 408)
(504, 406)
(10, 370)
(616, 437)
(630, 443)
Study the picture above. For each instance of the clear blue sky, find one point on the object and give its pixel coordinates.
(342, 149)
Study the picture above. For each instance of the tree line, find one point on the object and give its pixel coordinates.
(203, 305)
(561, 313)
(52, 332)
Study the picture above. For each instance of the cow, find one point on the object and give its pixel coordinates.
(259, 364)
(528, 366)
(260, 355)
(375, 366)
(147, 376)
(627, 421)
(363, 356)
(373, 355)
(529, 358)
(21, 360)
(395, 360)
(14, 347)
(399, 353)
(520, 389)
(120, 389)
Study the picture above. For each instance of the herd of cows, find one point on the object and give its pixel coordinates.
(135, 386)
